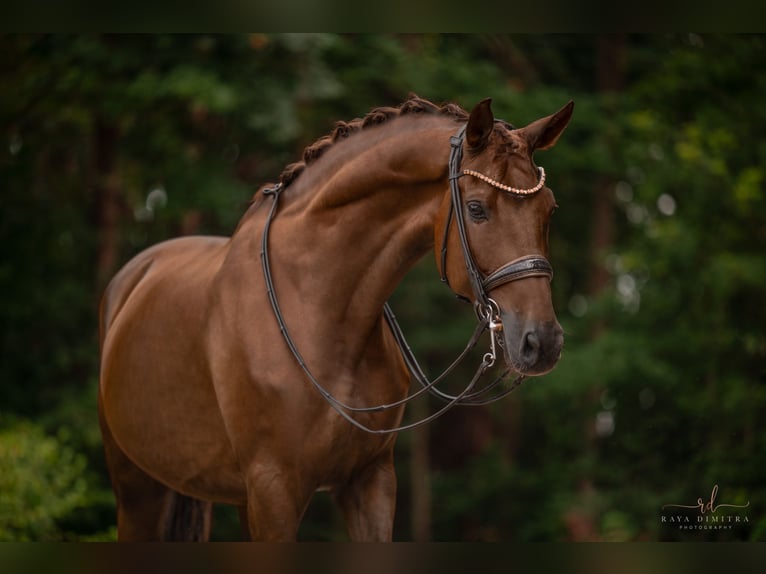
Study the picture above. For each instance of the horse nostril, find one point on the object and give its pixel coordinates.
(531, 348)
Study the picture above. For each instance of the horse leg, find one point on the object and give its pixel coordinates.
(147, 510)
(243, 523)
(275, 504)
(368, 503)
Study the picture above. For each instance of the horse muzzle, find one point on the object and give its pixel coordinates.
(531, 348)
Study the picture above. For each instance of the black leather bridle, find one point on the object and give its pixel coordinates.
(481, 284)
(486, 309)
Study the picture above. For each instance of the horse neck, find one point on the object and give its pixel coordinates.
(354, 223)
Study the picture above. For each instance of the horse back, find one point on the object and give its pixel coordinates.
(158, 258)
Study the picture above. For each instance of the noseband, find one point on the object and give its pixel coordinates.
(487, 310)
(521, 268)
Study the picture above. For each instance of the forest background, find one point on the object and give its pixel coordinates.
(109, 144)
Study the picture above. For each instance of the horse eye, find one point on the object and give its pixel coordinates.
(476, 211)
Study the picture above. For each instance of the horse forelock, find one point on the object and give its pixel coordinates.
(377, 116)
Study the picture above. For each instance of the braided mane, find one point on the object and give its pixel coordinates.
(413, 105)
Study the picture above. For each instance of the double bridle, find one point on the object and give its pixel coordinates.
(481, 284)
(487, 311)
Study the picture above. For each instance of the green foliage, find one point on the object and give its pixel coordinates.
(41, 482)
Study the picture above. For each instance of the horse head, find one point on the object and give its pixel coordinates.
(491, 236)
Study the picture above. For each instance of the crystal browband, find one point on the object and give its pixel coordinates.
(508, 188)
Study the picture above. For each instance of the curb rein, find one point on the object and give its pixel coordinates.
(487, 311)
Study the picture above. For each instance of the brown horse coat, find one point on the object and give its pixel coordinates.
(200, 398)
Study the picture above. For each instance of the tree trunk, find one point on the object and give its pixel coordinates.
(106, 182)
(610, 74)
(581, 519)
(420, 476)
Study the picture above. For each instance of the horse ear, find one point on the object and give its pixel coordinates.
(480, 124)
(543, 133)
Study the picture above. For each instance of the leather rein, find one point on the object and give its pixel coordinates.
(487, 311)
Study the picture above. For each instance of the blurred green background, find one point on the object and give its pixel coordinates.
(112, 143)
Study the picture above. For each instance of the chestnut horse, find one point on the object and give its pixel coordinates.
(204, 400)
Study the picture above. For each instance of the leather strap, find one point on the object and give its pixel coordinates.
(481, 285)
(528, 266)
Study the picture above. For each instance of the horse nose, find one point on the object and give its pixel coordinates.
(530, 348)
(541, 347)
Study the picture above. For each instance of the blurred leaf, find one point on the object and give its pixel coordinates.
(40, 483)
